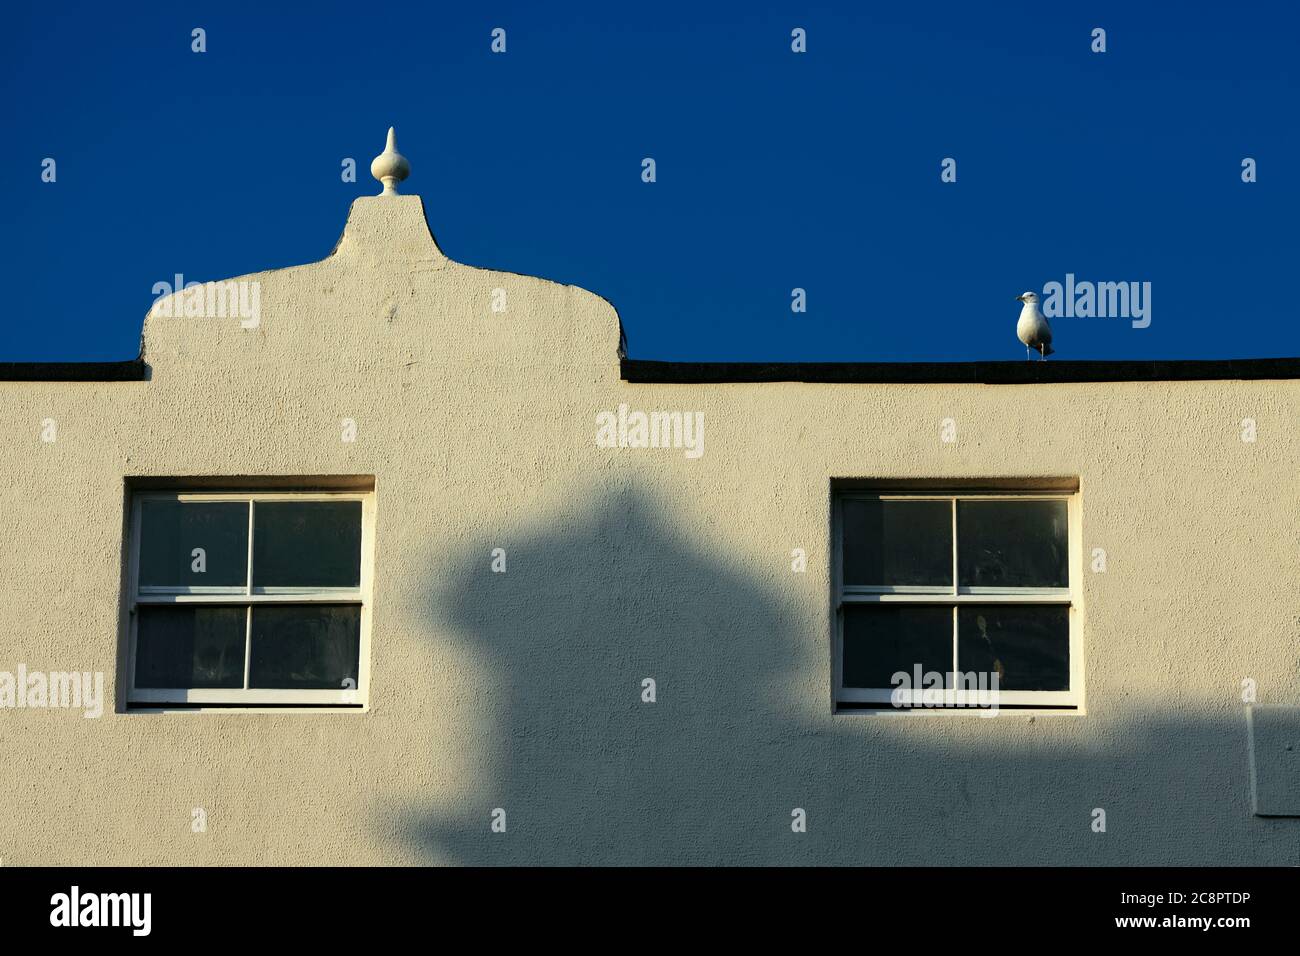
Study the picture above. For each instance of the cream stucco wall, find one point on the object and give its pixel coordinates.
(522, 690)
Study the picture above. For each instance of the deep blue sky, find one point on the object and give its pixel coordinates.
(775, 170)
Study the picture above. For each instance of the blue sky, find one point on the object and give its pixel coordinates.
(775, 170)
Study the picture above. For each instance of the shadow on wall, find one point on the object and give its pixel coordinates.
(741, 732)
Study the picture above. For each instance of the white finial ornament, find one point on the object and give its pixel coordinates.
(390, 167)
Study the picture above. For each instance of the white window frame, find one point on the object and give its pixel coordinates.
(957, 597)
(248, 596)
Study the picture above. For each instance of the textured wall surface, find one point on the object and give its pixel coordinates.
(522, 690)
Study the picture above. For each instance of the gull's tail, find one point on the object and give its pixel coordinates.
(1048, 350)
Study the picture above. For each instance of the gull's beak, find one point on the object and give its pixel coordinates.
(1020, 298)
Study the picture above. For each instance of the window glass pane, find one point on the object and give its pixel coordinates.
(307, 544)
(897, 542)
(880, 640)
(305, 646)
(170, 531)
(1012, 544)
(1028, 646)
(185, 646)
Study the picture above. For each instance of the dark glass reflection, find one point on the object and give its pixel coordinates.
(1027, 645)
(305, 646)
(186, 646)
(882, 639)
(307, 544)
(897, 542)
(1012, 544)
(170, 532)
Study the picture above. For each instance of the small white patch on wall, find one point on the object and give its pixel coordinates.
(1273, 747)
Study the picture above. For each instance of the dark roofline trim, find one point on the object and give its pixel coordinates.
(644, 371)
(132, 370)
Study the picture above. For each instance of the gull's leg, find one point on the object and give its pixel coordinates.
(1028, 355)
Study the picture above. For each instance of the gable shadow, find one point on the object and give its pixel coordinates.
(741, 732)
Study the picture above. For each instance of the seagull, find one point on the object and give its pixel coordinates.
(1032, 329)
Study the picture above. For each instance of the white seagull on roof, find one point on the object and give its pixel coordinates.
(1032, 329)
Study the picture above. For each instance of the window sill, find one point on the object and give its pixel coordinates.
(153, 708)
(843, 709)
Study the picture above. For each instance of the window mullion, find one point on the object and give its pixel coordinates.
(954, 590)
(954, 546)
(248, 590)
(248, 576)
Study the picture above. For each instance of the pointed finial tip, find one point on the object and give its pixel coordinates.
(390, 167)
